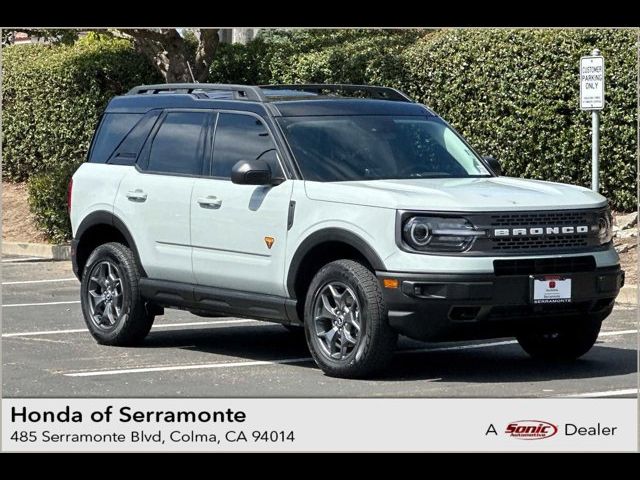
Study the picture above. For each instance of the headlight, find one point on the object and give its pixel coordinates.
(439, 234)
(605, 227)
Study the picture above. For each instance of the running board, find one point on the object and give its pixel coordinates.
(213, 300)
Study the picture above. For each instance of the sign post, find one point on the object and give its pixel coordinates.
(592, 98)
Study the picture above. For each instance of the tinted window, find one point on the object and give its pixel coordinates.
(127, 152)
(177, 146)
(241, 137)
(368, 147)
(113, 128)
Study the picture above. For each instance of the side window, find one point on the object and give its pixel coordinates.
(127, 152)
(112, 130)
(241, 137)
(178, 145)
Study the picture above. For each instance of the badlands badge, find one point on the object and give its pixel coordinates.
(269, 241)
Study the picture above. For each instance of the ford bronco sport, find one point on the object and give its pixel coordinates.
(349, 211)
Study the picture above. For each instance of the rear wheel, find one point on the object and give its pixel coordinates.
(111, 304)
(346, 321)
(567, 342)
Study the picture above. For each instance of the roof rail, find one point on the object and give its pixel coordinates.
(241, 92)
(383, 93)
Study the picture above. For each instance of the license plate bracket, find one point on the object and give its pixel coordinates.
(550, 289)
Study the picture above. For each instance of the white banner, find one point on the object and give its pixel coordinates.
(332, 425)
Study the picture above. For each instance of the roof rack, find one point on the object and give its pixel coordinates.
(240, 92)
(256, 93)
(383, 93)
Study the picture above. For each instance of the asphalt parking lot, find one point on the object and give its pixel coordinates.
(47, 352)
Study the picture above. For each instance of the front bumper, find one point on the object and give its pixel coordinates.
(468, 306)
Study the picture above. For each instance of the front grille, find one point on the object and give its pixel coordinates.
(518, 244)
(540, 266)
(538, 243)
(533, 219)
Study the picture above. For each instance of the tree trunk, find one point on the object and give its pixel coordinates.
(169, 52)
(208, 41)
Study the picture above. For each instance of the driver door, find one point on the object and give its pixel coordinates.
(238, 232)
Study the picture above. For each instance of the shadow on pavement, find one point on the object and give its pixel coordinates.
(499, 364)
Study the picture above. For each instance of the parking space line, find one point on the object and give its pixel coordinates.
(24, 259)
(617, 332)
(39, 304)
(41, 281)
(610, 393)
(160, 325)
(188, 367)
(292, 360)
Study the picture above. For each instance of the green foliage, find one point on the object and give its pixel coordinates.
(48, 201)
(513, 94)
(53, 96)
(322, 56)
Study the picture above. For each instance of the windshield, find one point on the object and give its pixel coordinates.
(374, 147)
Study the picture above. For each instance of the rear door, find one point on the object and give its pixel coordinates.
(154, 199)
(239, 232)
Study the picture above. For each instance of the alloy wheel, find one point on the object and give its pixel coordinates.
(337, 320)
(105, 294)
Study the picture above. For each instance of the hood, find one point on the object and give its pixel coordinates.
(459, 194)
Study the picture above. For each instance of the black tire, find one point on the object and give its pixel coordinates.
(131, 322)
(566, 343)
(374, 343)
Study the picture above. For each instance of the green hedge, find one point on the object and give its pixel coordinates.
(513, 94)
(48, 201)
(53, 97)
(322, 56)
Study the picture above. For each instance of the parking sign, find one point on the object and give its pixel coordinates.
(592, 83)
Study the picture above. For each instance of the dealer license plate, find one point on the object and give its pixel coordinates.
(550, 289)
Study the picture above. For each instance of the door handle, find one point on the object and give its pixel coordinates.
(136, 195)
(209, 202)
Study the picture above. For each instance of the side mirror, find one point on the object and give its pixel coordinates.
(494, 165)
(251, 172)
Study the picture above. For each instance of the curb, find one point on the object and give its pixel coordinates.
(42, 250)
(628, 294)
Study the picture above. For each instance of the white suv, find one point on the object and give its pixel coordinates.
(356, 218)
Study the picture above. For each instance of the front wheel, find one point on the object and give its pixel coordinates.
(567, 342)
(111, 303)
(346, 321)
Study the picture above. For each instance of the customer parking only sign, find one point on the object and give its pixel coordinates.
(592, 83)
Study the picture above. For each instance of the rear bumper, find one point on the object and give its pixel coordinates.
(466, 306)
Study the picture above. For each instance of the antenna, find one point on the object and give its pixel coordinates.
(191, 73)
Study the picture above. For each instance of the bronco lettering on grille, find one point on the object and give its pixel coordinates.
(541, 231)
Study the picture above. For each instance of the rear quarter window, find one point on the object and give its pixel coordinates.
(111, 131)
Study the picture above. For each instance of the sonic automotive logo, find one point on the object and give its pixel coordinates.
(531, 429)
